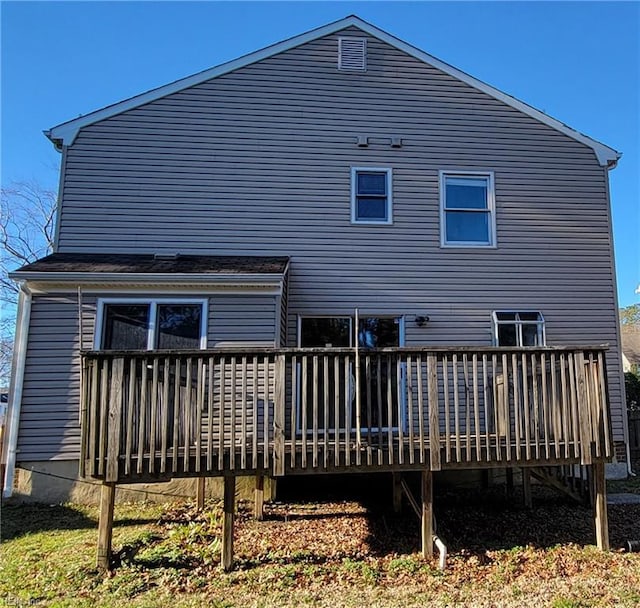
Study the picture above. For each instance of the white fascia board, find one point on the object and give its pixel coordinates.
(66, 133)
(47, 282)
(141, 277)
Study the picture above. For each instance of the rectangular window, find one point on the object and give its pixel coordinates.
(518, 328)
(138, 324)
(371, 196)
(467, 209)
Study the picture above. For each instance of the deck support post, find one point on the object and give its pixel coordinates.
(200, 492)
(526, 488)
(228, 518)
(600, 510)
(509, 475)
(397, 492)
(427, 514)
(258, 503)
(105, 526)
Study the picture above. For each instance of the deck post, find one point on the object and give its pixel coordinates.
(228, 517)
(105, 526)
(279, 416)
(600, 510)
(200, 492)
(427, 513)
(526, 488)
(509, 477)
(258, 505)
(397, 492)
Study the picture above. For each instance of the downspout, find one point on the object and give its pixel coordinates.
(16, 385)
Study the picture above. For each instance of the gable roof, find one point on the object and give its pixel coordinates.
(65, 133)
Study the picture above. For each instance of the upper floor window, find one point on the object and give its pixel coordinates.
(467, 209)
(137, 324)
(371, 198)
(518, 328)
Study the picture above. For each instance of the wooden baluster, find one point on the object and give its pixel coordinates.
(525, 407)
(476, 407)
(176, 409)
(255, 405)
(434, 420)
(243, 414)
(295, 400)
(142, 422)
(164, 409)
(210, 414)
(421, 412)
(456, 410)
(153, 415)
(409, 394)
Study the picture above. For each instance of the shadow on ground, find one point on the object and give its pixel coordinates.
(470, 519)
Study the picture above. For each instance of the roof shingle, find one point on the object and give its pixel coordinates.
(151, 264)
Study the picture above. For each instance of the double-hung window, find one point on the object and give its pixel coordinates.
(371, 198)
(143, 324)
(520, 329)
(467, 209)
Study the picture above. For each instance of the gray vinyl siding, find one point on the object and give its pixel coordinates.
(258, 161)
(49, 427)
(51, 394)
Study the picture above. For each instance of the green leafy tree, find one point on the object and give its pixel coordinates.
(630, 315)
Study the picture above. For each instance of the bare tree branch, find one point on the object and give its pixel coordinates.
(27, 226)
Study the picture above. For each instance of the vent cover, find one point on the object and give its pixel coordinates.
(352, 54)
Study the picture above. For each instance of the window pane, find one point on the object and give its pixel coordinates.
(371, 209)
(506, 316)
(125, 327)
(507, 335)
(529, 316)
(374, 332)
(466, 193)
(325, 332)
(372, 183)
(467, 226)
(530, 334)
(179, 326)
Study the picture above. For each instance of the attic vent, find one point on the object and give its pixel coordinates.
(352, 54)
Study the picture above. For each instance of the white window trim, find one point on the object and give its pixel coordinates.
(153, 311)
(491, 208)
(389, 173)
(542, 331)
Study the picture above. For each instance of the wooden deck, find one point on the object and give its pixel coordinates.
(156, 415)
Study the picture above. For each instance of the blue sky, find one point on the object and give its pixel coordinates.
(577, 61)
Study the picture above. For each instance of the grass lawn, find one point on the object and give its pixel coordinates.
(333, 554)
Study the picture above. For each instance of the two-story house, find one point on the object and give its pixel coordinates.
(337, 253)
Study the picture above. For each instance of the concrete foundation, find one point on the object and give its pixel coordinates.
(56, 481)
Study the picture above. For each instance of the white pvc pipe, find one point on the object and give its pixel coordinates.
(16, 385)
(442, 549)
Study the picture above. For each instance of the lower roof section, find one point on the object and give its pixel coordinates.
(114, 270)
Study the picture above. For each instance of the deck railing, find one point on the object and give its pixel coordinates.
(164, 414)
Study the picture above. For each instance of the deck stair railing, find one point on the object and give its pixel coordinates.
(163, 414)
